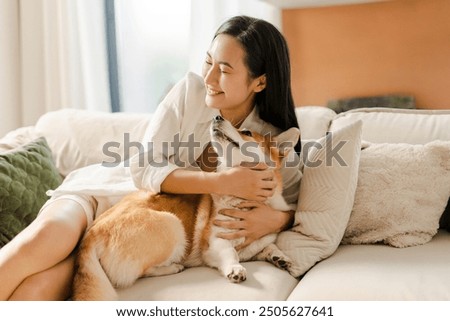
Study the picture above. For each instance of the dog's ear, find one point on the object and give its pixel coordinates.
(287, 140)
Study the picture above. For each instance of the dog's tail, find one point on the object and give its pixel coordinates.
(91, 282)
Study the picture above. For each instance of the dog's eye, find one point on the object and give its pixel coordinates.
(246, 132)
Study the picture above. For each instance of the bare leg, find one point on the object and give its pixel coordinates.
(52, 284)
(45, 243)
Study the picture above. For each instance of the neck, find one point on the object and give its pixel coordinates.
(236, 118)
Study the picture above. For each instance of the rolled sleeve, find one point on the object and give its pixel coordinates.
(175, 118)
(150, 167)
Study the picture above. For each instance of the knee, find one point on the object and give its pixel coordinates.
(53, 223)
(63, 217)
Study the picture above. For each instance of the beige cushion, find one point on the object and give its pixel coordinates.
(401, 194)
(326, 196)
(264, 282)
(314, 121)
(381, 272)
(78, 138)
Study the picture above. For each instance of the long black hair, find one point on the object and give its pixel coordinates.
(266, 53)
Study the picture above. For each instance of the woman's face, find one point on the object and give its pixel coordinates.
(228, 84)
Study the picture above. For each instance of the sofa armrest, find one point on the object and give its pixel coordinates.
(17, 137)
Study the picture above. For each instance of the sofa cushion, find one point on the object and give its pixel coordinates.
(79, 137)
(314, 121)
(401, 194)
(26, 173)
(381, 272)
(326, 196)
(264, 282)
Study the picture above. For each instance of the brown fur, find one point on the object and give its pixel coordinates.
(138, 219)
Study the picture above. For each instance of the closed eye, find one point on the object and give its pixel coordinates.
(246, 132)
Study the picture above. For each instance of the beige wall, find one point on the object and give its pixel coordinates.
(400, 46)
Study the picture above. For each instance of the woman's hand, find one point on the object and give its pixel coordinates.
(255, 220)
(249, 181)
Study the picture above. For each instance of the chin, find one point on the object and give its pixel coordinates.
(212, 103)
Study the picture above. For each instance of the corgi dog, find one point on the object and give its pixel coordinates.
(148, 234)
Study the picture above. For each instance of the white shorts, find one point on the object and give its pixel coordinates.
(92, 206)
(88, 203)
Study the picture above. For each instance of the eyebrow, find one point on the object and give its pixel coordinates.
(220, 62)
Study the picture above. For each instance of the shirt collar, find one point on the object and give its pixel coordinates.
(251, 122)
(208, 114)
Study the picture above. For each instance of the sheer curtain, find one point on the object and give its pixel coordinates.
(206, 17)
(53, 55)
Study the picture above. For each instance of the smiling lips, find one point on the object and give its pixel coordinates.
(212, 92)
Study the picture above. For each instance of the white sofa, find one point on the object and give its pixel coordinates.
(352, 272)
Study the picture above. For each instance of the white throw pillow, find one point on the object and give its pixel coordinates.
(401, 194)
(326, 196)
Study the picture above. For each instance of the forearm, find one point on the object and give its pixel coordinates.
(182, 181)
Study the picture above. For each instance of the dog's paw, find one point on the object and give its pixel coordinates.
(177, 268)
(237, 274)
(281, 262)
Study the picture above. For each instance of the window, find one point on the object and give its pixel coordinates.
(152, 50)
(153, 43)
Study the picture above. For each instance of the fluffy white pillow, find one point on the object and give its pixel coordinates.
(401, 194)
(326, 196)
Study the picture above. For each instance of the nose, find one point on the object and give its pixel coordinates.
(218, 119)
(210, 75)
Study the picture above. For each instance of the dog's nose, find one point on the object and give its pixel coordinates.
(218, 118)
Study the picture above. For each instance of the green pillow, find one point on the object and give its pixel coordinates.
(26, 173)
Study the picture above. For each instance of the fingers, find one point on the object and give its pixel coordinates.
(255, 166)
(266, 184)
(248, 204)
(267, 175)
(231, 213)
(232, 225)
(258, 198)
(259, 181)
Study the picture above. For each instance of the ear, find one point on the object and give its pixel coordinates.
(287, 140)
(260, 83)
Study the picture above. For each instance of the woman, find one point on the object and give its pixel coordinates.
(246, 79)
